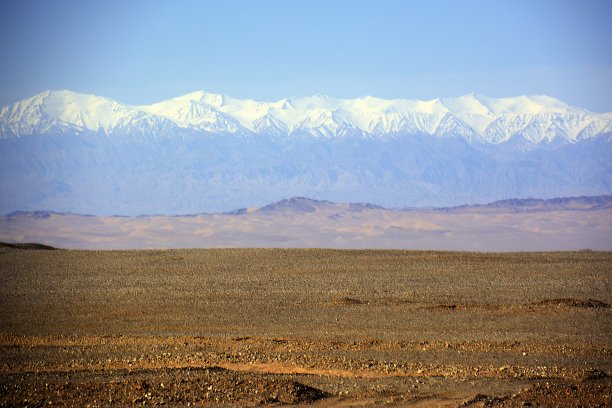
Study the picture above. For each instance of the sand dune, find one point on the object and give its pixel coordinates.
(516, 225)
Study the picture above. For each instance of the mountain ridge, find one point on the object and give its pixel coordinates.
(474, 117)
(310, 205)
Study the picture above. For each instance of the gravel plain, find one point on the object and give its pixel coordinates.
(250, 327)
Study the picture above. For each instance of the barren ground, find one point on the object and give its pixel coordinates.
(247, 327)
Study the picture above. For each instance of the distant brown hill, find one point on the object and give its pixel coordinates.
(26, 246)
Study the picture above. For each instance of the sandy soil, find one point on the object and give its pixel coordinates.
(246, 327)
(329, 225)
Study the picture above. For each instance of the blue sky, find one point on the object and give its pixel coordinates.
(140, 52)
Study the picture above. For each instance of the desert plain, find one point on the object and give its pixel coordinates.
(309, 327)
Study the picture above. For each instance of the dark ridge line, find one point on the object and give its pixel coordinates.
(27, 246)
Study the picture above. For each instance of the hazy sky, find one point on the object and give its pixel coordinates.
(144, 51)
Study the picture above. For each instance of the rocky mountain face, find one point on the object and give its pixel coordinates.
(64, 151)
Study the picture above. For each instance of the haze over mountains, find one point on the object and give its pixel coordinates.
(201, 152)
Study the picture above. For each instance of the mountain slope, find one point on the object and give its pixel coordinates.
(52, 112)
(206, 152)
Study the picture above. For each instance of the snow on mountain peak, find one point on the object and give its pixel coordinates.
(470, 104)
(51, 111)
(212, 99)
(494, 120)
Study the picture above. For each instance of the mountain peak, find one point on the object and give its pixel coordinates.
(208, 98)
(470, 104)
(63, 110)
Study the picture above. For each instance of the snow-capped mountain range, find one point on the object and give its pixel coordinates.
(475, 117)
(203, 152)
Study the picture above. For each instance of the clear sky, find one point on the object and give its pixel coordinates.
(140, 52)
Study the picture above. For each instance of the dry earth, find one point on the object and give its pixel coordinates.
(246, 327)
